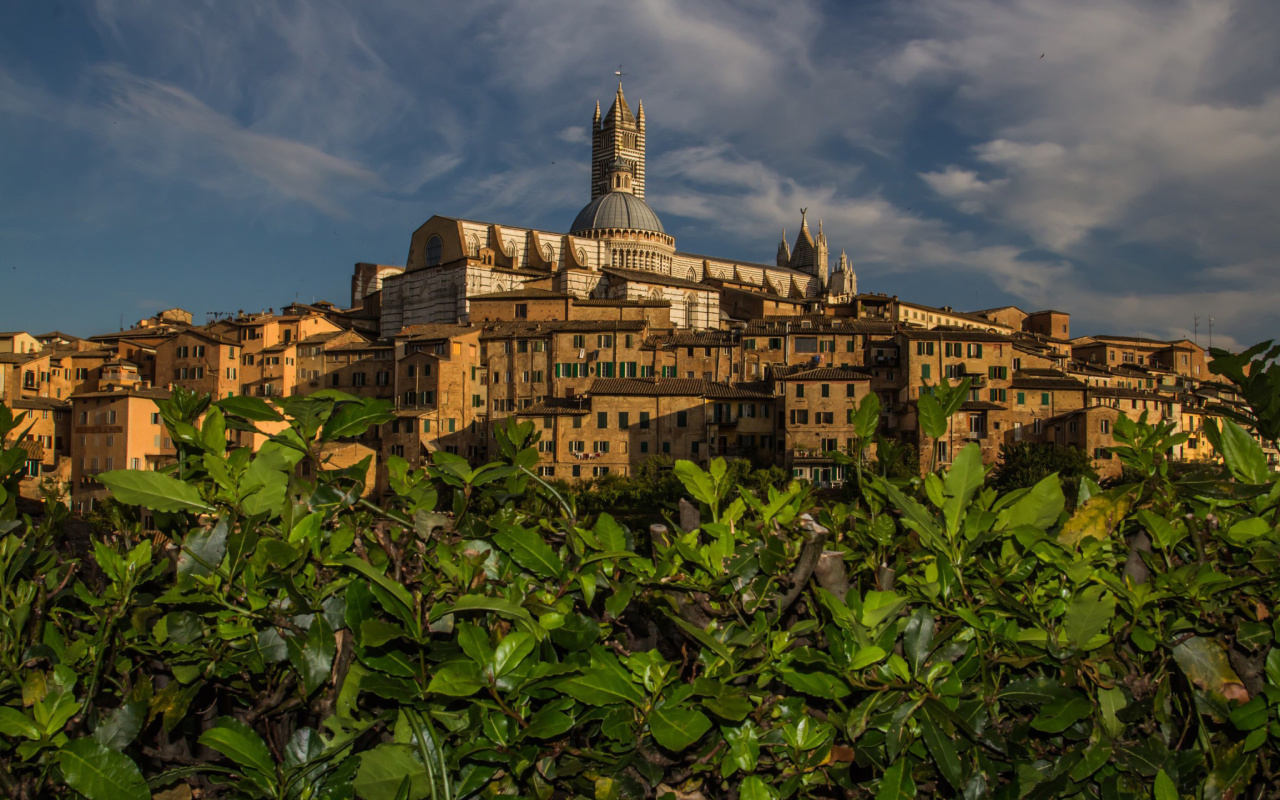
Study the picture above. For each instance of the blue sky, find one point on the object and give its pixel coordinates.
(1118, 159)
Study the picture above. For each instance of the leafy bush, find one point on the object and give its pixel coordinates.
(300, 642)
(1024, 464)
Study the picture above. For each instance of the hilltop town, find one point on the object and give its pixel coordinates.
(619, 348)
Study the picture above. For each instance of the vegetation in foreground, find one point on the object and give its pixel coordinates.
(286, 639)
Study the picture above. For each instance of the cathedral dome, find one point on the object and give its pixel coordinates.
(620, 210)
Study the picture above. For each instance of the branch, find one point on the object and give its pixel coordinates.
(809, 555)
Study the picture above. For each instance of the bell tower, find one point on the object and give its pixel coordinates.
(619, 134)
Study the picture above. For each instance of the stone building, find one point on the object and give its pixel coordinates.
(616, 249)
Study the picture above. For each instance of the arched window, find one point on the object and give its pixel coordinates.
(689, 307)
(434, 248)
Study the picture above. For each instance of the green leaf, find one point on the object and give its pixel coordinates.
(1243, 454)
(1164, 788)
(1057, 716)
(100, 773)
(313, 656)
(250, 408)
(120, 727)
(513, 649)
(753, 787)
(601, 687)
(943, 751)
(494, 605)
(238, 742)
(377, 632)
(866, 657)
(1040, 507)
(353, 419)
(896, 783)
(933, 421)
(153, 490)
(962, 480)
(528, 550)
(1250, 716)
(456, 679)
(676, 726)
(403, 601)
(917, 640)
(202, 552)
(14, 723)
(385, 768)
(1112, 702)
(696, 482)
(1087, 618)
(548, 724)
(1204, 662)
(702, 637)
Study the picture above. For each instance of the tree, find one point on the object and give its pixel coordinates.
(1024, 464)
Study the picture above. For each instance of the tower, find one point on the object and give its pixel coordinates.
(820, 256)
(617, 135)
(784, 251)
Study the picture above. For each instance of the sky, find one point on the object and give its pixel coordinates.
(1115, 159)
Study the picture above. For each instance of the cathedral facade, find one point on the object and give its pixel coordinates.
(615, 249)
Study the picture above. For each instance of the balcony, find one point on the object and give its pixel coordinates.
(725, 422)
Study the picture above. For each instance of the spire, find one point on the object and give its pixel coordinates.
(596, 119)
(804, 222)
(784, 252)
(640, 112)
(620, 111)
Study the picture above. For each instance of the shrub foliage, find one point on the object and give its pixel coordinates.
(285, 638)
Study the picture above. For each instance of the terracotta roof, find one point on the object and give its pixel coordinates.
(674, 387)
(615, 303)
(18, 358)
(440, 330)
(152, 393)
(320, 338)
(1048, 383)
(59, 335)
(777, 326)
(980, 405)
(557, 407)
(938, 335)
(644, 276)
(825, 374)
(359, 347)
(521, 294)
(503, 330)
(691, 339)
(39, 402)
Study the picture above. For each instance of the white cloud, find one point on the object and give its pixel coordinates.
(574, 134)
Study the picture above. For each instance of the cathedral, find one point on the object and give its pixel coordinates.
(616, 249)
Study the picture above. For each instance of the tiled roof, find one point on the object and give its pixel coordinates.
(504, 330)
(824, 374)
(691, 339)
(39, 402)
(556, 407)
(980, 405)
(616, 303)
(939, 335)
(1047, 383)
(17, 358)
(320, 338)
(521, 294)
(152, 393)
(644, 276)
(674, 387)
(778, 326)
(441, 330)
